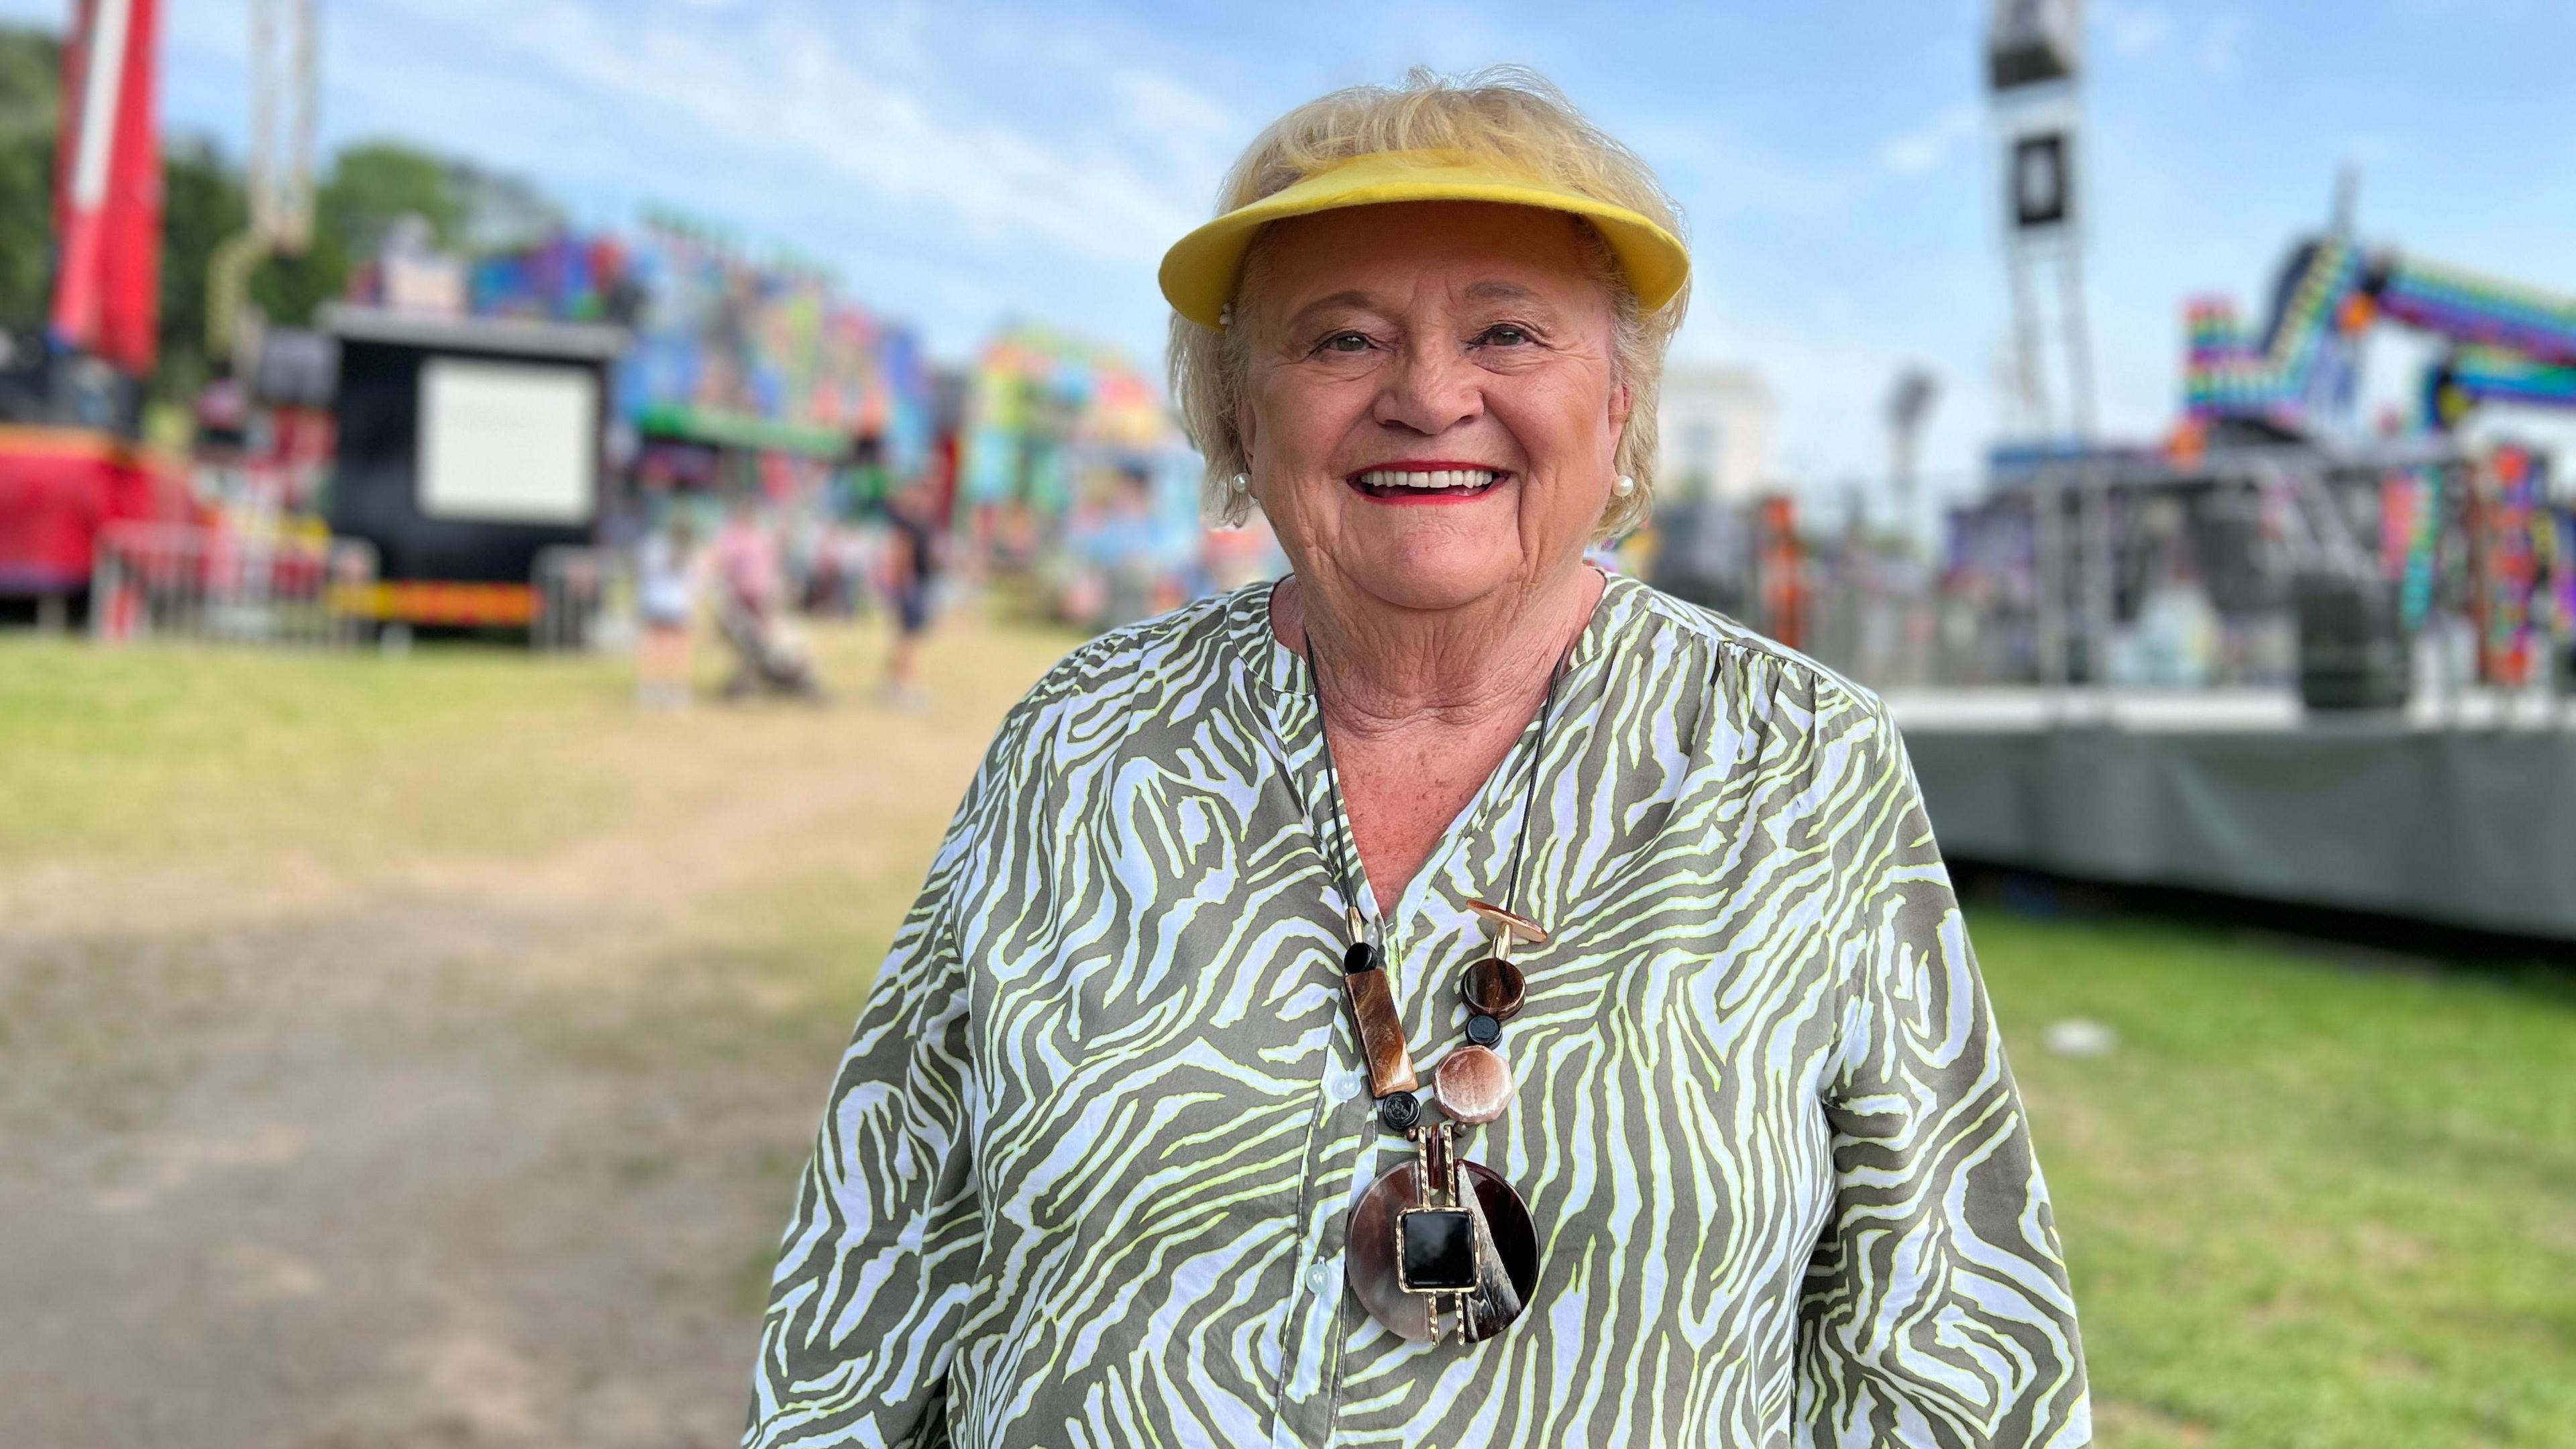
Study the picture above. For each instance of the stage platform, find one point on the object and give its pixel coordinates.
(2460, 811)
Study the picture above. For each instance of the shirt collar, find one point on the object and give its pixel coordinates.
(1274, 667)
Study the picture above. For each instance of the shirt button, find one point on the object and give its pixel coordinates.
(1322, 1280)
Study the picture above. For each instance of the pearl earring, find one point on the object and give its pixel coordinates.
(1242, 483)
(1225, 317)
(1625, 486)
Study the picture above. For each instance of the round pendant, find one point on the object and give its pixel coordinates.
(1371, 1252)
(1493, 988)
(1474, 1084)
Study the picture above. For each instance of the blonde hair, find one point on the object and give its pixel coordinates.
(1509, 116)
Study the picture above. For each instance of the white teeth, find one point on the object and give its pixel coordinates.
(1432, 479)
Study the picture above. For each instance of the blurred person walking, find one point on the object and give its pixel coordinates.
(911, 573)
(1129, 1145)
(752, 593)
(667, 599)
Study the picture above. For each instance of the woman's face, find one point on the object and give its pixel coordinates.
(1431, 415)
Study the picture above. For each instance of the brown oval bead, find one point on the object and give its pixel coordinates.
(1381, 1033)
(1474, 1084)
(1500, 921)
(1494, 988)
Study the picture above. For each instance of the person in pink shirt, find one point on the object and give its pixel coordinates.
(751, 587)
(746, 558)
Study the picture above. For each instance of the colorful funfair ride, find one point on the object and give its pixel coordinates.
(2506, 342)
(2503, 343)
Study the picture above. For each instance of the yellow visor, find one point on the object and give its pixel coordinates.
(1202, 270)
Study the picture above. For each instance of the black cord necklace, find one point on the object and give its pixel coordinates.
(1439, 1236)
(1397, 1106)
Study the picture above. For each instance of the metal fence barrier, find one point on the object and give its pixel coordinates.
(585, 599)
(180, 581)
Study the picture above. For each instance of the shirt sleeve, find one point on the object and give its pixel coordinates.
(1936, 1309)
(878, 1267)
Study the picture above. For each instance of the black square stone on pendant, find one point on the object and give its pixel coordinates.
(1483, 1030)
(1435, 1250)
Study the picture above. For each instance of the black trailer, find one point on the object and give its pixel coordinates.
(467, 446)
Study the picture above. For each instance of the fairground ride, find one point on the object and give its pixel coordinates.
(2482, 530)
(71, 456)
(2504, 342)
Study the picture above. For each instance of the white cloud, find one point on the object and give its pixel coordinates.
(2133, 29)
(1829, 365)
(2370, 150)
(956, 163)
(896, 110)
(1731, 173)
(875, 103)
(2222, 44)
(1927, 146)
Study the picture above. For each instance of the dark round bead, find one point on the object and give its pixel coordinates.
(1361, 957)
(1400, 1112)
(1494, 988)
(1483, 1030)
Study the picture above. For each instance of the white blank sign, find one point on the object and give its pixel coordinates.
(508, 442)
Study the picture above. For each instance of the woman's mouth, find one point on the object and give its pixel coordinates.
(1426, 485)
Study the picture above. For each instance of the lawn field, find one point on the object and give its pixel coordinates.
(420, 1050)
(2306, 1202)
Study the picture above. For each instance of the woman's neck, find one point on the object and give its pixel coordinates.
(1389, 672)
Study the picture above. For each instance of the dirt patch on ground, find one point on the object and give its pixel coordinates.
(463, 1148)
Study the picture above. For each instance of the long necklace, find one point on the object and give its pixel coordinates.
(1439, 1236)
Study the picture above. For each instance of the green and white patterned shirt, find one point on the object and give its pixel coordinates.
(1083, 1177)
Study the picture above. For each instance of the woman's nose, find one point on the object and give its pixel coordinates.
(1430, 390)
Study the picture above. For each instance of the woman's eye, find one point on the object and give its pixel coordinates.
(1502, 335)
(1346, 342)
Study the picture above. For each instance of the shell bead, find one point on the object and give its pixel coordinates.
(1474, 1084)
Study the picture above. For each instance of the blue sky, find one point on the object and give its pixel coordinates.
(963, 162)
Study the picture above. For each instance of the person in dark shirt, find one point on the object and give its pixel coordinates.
(911, 568)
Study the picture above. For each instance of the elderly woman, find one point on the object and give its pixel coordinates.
(1450, 997)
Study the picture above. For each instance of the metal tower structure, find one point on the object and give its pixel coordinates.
(284, 112)
(2034, 72)
(1909, 408)
(2034, 57)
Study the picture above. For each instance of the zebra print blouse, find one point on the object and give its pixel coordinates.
(1083, 1175)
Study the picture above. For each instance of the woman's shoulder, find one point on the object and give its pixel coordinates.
(1135, 673)
(1665, 638)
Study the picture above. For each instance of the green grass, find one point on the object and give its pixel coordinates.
(156, 753)
(2305, 1204)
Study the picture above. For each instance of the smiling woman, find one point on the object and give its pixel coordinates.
(1447, 427)
(1132, 1144)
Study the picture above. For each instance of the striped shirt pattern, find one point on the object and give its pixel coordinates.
(1084, 1172)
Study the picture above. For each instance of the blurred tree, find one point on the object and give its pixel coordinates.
(501, 212)
(31, 63)
(30, 93)
(288, 289)
(377, 183)
(201, 204)
(371, 186)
